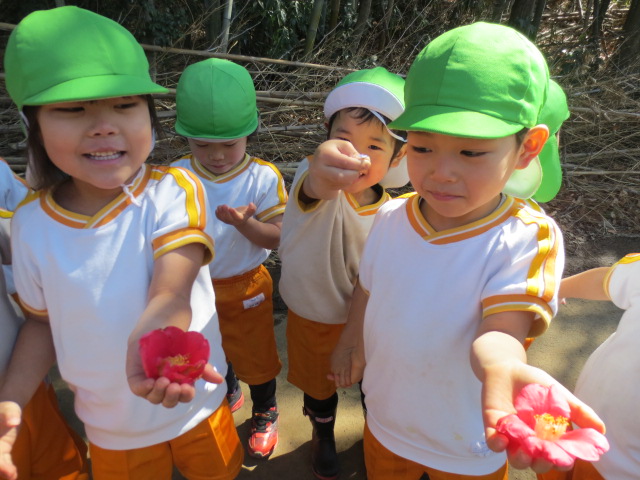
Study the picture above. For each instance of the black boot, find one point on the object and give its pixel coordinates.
(324, 458)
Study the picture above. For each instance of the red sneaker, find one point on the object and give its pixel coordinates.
(264, 433)
(235, 399)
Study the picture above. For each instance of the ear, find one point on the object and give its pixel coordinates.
(532, 144)
(401, 153)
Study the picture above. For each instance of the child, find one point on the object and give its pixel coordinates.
(109, 249)
(324, 228)
(216, 111)
(45, 447)
(454, 277)
(607, 378)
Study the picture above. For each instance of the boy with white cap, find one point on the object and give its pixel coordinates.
(216, 111)
(334, 197)
(454, 277)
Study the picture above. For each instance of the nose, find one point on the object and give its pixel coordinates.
(102, 124)
(442, 169)
(215, 154)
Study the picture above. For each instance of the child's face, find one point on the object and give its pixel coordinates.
(219, 157)
(461, 178)
(369, 138)
(101, 144)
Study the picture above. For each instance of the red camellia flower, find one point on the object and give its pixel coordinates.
(542, 429)
(178, 355)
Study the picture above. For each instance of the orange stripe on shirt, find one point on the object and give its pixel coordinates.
(194, 191)
(179, 238)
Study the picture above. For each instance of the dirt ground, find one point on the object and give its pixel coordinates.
(577, 330)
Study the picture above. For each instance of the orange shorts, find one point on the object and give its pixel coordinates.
(245, 313)
(46, 448)
(309, 347)
(209, 451)
(382, 464)
(581, 471)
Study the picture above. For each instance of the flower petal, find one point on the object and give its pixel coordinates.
(585, 443)
(549, 451)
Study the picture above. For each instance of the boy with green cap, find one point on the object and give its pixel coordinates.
(334, 197)
(217, 112)
(107, 250)
(454, 277)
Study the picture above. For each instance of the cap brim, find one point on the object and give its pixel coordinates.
(94, 88)
(397, 176)
(454, 121)
(524, 182)
(551, 171)
(364, 95)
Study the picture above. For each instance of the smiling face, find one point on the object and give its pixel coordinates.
(461, 178)
(369, 138)
(100, 144)
(219, 157)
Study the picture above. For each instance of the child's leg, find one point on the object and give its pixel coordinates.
(383, 464)
(46, 448)
(234, 392)
(264, 420)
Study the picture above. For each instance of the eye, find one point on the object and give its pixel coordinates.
(69, 109)
(127, 105)
(420, 149)
(374, 147)
(201, 145)
(472, 154)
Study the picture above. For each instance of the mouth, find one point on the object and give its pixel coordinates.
(443, 196)
(111, 155)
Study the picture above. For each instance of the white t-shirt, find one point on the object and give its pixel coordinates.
(320, 250)
(12, 190)
(253, 180)
(91, 276)
(428, 292)
(609, 381)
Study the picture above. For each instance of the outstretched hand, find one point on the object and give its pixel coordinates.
(162, 390)
(10, 417)
(502, 384)
(235, 216)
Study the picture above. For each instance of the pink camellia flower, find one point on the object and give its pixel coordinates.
(178, 355)
(542, 429)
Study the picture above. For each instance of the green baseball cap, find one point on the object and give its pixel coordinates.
(70, 54)
(216, 101)
(481, 81)
(380, 92)
(554, 112)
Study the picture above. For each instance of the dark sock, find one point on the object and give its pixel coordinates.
(232, 380)
(321, 406)
(263, 396)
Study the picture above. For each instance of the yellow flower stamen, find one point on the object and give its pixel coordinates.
(178, 360)
(549, 427)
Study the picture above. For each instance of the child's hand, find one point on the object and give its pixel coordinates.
(161, 390)
(347, 366)
(336, 165)
(502, 384)
(10, 415)
(235, 216)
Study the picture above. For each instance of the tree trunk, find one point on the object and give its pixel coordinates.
(521, 15)
(364, 13)
(226, 25)
(600, 8)
(630, 48)
(334, 8)
(498, 10)
(214, 23)
(313, 27)
(537, 18)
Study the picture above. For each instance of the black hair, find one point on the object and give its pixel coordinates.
(43, 171)
(520, 134)
(364, 115)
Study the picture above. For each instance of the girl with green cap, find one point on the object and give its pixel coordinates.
(216, 111)
(108, 249)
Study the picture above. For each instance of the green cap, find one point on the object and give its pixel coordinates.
(216, 101)
(481, 81)
(379, 91)
(375, 89)
(553, 115)
(70, 54)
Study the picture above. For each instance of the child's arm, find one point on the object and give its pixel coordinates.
(264, 234)
(336, 165)
(33, 356)
(169, 304)
(588, 285)
(499, 361)
(347, 359)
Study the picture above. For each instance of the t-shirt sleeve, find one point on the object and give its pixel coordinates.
(183, 214)
(12, 190)
(271, 197)
(622, 283)
(527, 271)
